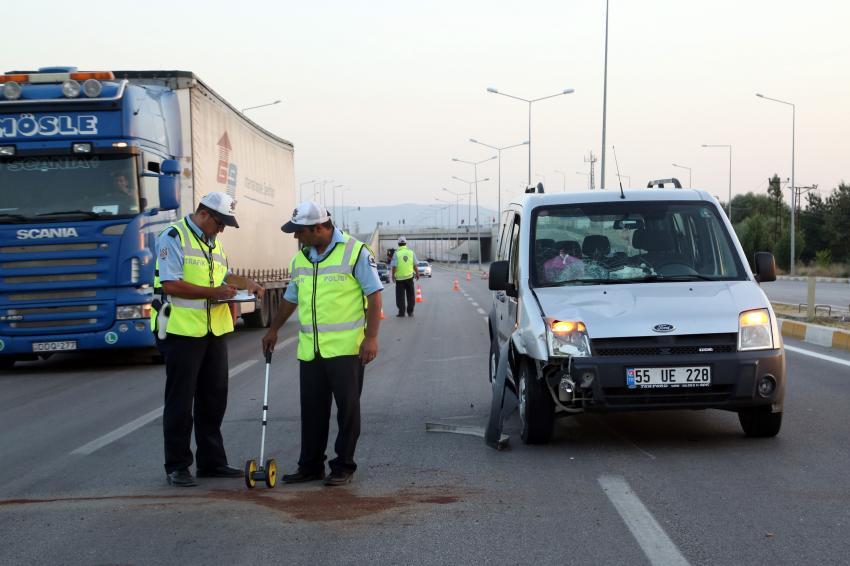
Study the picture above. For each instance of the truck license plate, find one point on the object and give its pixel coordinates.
(687, 376)
(54, 346)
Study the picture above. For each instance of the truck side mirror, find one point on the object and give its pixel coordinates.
(170, 167)
(498, 279)
(168, 193)
(765, 267)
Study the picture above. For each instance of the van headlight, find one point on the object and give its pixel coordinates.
(754, 330)
(127, 312)
(567, 338)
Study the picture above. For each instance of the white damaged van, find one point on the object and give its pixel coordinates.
(632, 300)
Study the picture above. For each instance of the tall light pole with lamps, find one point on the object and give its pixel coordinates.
(301, 188)
(690, 177)
(499, 150)
(475, 165)
(530, 102)
(793, 186)
(458, 198)
(469, 214)
(261, 106)
(729, 208)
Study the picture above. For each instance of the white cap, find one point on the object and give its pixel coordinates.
(402, 240)
(308, 213)
(223, 205)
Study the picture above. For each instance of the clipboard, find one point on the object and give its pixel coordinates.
(241, 296)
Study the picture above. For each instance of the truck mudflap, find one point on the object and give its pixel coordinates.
(504, 403)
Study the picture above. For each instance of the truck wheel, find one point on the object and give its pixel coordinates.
(261, 317)
(759, 422)
(536, 409)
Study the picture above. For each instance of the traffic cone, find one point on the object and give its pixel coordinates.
(468, 276)
(456, 285)
(382, 314)
(419, 298)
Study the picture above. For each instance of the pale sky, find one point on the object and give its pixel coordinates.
(381, 95)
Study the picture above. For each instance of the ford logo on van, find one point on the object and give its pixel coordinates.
(663, 328)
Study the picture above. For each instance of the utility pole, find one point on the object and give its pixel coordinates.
(592, 160)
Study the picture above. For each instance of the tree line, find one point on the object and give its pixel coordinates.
(822, 237)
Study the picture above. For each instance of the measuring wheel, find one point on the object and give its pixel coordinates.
(271, 472)
(250, 470)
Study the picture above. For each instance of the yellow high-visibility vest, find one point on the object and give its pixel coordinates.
(204, 267)
(331, 305)
(404, 267)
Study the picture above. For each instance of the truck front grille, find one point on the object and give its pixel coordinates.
(64, 318)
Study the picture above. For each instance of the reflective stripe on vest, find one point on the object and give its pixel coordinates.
(197, 317)
(331, 307)
(404, 264)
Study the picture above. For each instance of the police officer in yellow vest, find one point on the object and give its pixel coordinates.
(191, 277)
(404, 271)
(336, 289)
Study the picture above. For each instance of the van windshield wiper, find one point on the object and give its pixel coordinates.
(591, 281)
(86, 213)
(683, 277)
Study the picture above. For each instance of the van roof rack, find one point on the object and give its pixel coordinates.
(660, 183)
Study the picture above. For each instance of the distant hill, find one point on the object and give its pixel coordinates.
(362, 220)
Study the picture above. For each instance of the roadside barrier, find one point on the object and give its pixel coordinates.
(815, 334)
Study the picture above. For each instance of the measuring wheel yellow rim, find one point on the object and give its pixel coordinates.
(271, 473)
(250, 469)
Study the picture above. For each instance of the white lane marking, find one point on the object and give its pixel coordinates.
(487, 318)
(654, 542)
(454, 359)
(817, 355)
(481, 311)
(474, 304)
(122, 431)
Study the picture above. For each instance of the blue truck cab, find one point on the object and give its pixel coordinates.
(88, 179)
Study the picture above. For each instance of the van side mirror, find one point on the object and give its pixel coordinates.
(765, 267)
(498, 280)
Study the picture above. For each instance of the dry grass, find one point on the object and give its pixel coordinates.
(792, 312)
(840, 270)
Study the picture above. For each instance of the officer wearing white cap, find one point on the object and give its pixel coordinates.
(404, 271)
(190, 315)
(336, 289)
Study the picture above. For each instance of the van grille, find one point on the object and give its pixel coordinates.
(708, 396)
(689, 344)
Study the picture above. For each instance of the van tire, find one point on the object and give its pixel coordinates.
(536, 408)
(493, 360)
(759, 422)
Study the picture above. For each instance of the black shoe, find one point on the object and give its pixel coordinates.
(221, 472)
(302, 476)
(400, 314)
(181, 478)
(339, 477)
(410, 314)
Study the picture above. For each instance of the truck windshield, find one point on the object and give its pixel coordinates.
(630, 242)
(60, 187)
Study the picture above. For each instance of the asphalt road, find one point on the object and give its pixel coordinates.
(837, 295)
(81, 480)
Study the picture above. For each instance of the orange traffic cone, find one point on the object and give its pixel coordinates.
(456, 285)
(382, 314)
(468, 276)
(419, 298)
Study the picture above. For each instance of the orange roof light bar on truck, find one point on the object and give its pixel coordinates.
(38, 78)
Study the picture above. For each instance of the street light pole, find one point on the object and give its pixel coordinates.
(690, 178)
(458, 198)
(729, 207)
(793, 186)
(469, 217)
(565, 91)
(477, 212)
(604, 98)
(261, 106)
(301, 187)
(499, 150)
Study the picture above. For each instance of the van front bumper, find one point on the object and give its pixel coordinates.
(734, 380)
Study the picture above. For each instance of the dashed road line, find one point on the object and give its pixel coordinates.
(654, 542)
(481, 311)
(132, 426)
(817, 355)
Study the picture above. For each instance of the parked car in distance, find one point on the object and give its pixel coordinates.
(383, 272)
(424, 268)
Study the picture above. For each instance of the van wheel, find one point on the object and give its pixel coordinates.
(759, 422)
(494, 359)
(536, 409)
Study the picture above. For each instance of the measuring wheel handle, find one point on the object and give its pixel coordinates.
(250, 470)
